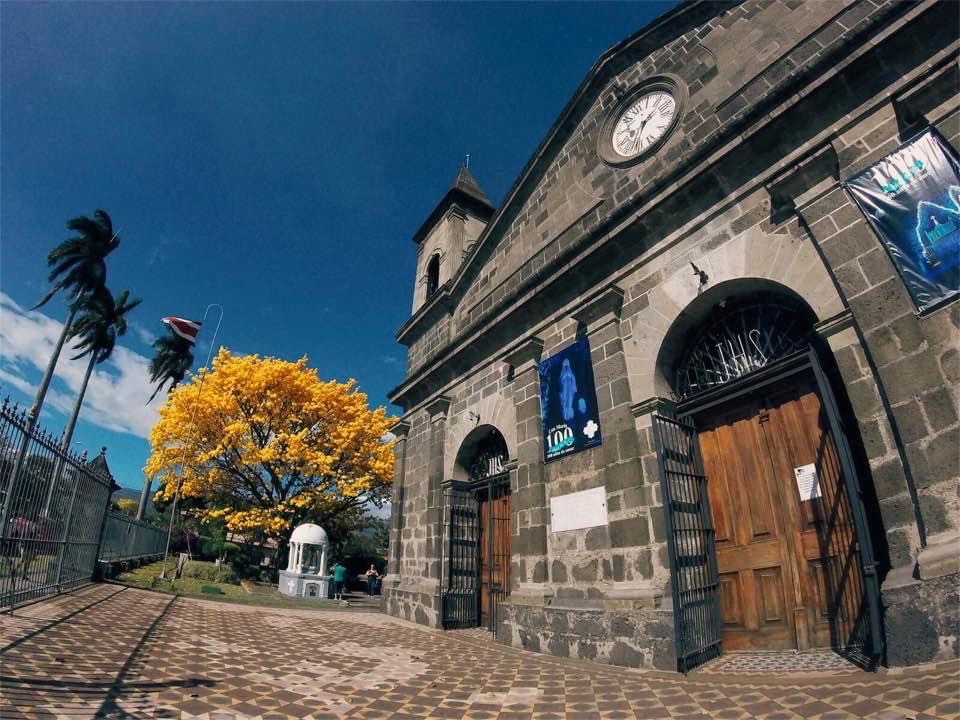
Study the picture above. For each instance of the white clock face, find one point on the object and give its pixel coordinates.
(644, 123)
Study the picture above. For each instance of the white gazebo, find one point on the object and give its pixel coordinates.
(306, 573)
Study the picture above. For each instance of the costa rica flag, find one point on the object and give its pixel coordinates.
(187, 329)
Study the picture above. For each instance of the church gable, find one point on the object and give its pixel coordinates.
(568, 190)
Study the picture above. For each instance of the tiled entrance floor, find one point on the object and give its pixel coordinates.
(106, 651)
(778, 662)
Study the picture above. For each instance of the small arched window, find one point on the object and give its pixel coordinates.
(433, 275)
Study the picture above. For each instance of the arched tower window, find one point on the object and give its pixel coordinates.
(433, 275)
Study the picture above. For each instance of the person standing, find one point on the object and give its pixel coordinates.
(339, 578)
(372, 576)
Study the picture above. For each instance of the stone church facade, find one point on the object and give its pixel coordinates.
(689, 201)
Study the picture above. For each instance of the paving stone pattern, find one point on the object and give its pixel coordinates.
(777, 662)
(109, 651)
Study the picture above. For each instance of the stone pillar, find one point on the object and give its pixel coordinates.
(437, 409)
(400, 430)
(600, 319)
(528, 496)
(458, 221)
(628, 533)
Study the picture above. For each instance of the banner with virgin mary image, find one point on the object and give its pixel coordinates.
(568, 402)
(912, 200)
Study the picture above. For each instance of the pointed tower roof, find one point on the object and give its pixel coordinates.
(466, 183)
(464, 191)
(99, 466)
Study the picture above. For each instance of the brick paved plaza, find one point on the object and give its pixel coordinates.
(110, 651)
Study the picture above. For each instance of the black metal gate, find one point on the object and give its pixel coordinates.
(460, 592)
(690, 541)
(867, 636)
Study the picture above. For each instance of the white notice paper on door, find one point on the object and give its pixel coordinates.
(807, 482)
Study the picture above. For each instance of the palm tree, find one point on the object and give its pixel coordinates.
(100, 320)
(78, 267)
(172, 362)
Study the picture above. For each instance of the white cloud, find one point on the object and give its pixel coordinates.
(118, 388)
(147, 337)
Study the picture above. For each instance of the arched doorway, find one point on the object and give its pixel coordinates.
(779, 557)
(477, 574)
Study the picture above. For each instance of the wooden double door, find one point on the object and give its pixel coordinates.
(494, 549)
(788, 561)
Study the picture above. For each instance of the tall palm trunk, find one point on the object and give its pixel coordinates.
(31, 422)
(48, 375)
(144, 495)
(68, 434)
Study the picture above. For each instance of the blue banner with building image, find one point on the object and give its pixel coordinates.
(912, 200)
(569, 415)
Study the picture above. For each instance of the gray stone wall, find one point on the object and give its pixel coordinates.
(901, 383)
(749, 190)
(925, 619)
(631, 638)
(410, 589)
(575, 190)
(426, 345)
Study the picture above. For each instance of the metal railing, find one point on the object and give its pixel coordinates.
(54, 524)
(52, 506)
(127, 539)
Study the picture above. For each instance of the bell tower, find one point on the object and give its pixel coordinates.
(449, 234)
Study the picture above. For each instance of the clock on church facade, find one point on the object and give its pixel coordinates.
(690, 380)
(642, 121)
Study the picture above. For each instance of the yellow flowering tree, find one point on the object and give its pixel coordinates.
(272, 446)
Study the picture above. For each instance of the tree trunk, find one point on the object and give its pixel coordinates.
(68, 433)
(48, 375)
(144, 496)
(31, 421)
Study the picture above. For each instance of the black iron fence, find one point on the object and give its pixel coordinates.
(52, 514)
(127, 539)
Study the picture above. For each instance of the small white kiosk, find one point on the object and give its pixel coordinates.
(306, 573)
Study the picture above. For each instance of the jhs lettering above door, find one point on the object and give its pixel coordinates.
(789, 567)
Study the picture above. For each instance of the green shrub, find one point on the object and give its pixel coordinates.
(210, 572)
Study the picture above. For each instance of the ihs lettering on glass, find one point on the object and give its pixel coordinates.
(738, 343)
(643, 123)
(490, 458)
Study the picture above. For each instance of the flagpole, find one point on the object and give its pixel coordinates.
(193, 416)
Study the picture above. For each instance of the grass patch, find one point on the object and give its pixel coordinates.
(247, 593)
(148, 578)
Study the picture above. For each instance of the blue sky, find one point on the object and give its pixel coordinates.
(274, 158)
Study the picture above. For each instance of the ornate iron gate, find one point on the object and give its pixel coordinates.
(866, 638)
(461, 581)
(690, 541)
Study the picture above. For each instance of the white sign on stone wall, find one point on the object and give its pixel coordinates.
(579, 510)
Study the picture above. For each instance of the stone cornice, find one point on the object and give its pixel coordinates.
(651, 405)
(832, 325)
(437, 408)
(600, 310)
(439, 304)
(400, 429)
(525, 355)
